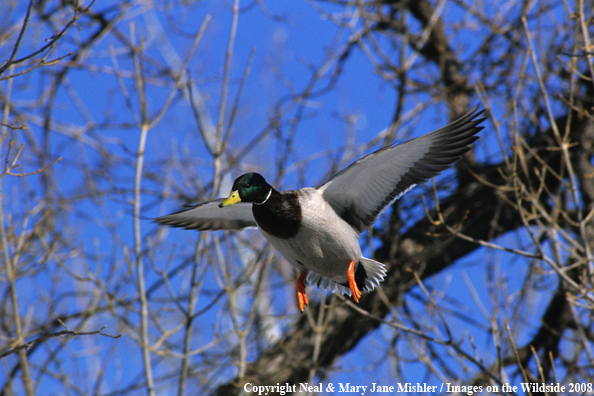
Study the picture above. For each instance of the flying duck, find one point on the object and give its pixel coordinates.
(317, 229)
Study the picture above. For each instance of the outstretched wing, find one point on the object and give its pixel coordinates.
(208, 216)
(361, 191)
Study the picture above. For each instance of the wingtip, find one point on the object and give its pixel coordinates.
(476, 110)
(474, 113)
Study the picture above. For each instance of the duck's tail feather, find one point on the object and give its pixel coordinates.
(368, 276)
(315, 279)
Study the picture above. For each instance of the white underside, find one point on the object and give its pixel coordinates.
(325, 245)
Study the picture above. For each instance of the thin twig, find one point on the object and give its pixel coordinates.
(63, 333)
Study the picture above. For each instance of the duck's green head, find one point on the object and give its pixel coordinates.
(250, 187)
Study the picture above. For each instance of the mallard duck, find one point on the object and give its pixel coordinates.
(317, 229)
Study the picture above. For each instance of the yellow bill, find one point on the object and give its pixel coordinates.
(232, 200)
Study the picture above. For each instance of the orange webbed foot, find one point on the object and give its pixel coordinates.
(301, 295)
(352, 283)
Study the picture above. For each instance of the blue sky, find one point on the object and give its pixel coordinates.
(286, 48)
